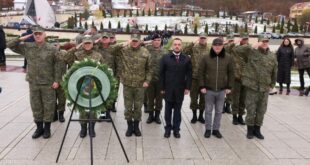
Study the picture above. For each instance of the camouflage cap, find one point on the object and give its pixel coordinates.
(244, 35)
(263, 37)
(203, 35)
(112, 34)
(135, 36)
(87, 39)
(38, 29)
(105, 34)
(230, 37)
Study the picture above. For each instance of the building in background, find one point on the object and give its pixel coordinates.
(297, 9)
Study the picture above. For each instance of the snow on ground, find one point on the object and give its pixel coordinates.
(171, 22)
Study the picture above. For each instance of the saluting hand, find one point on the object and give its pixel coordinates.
(55, 85)
(25, 37)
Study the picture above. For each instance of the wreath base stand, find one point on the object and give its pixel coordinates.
(90, 121)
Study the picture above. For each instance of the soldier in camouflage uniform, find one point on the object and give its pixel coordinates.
(155, 98)
(104, 48)
(228, 48)
(239, 92)
(77, 54)
(258, 76)
(197, 51)
(60, 93)
(136, 73)
(43, 77)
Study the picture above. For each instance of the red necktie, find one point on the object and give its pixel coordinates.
(177, 58)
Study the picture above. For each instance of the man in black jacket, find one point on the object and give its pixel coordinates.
(216, 75)
(175, 79)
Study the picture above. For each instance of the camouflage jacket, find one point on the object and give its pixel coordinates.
(135, 66)
(62, 66)
(156, 55)
(239, 62)
(80, 54)
(196, 53)
(107, 56)
(42, 61)
(260, 71)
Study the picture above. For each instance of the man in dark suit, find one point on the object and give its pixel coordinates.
(175, 79)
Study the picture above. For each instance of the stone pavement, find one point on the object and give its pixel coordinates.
(286, 130)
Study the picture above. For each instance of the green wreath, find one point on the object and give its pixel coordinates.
(102, 81)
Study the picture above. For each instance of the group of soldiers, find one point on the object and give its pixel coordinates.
(136, 65)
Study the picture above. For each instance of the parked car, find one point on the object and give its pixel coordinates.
(266, 33)
(275, 36)
(307, 34)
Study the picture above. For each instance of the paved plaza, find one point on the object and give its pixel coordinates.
(286, 130)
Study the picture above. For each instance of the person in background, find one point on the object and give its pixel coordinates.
(302, 57)
(285, 58)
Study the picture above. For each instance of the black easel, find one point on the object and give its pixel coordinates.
(90, 121)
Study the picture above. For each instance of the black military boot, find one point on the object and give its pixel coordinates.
(136, 128)
(129, 131)
(200, 118)
(157, 118)
(227, 108)
(250, 132)
(83, 131)
(240, 120)
(235, 120)
(257, 132)
(194, 119)
(145, 108)
(108, 116)
(39, 131)
(150, 119)
(47, 130)
(55, 117)
(61, 116)
(92, 132)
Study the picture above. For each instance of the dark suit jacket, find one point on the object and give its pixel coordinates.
(175, 77)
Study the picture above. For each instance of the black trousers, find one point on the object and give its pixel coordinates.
(176, 122)
(301, 77)
(2, 56)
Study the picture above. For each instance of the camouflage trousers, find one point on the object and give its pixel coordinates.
(133, 99)
(197, 98)
(87, 115)
(61, 99)
(229, 98)
(238, 97)
(256, 106)
(155, 98)
(42, 101)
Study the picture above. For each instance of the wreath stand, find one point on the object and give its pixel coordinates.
(90, 121)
